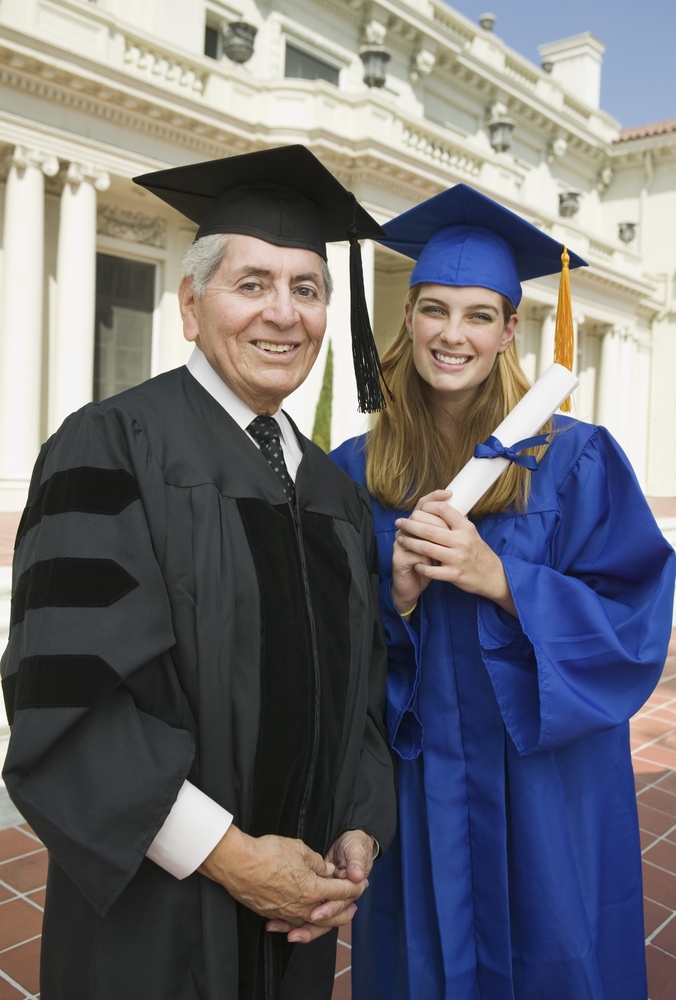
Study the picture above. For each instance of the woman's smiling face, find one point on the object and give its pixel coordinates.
(457, 333)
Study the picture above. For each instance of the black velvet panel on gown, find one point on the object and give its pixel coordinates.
(305, 655)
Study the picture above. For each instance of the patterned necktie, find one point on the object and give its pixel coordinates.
(265, 431)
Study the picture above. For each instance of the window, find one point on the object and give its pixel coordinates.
(306, 67)
(125, 298)
(211, 42)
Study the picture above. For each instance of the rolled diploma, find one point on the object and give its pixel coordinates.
(540, 403)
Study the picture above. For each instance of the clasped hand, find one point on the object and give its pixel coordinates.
(300, 893)
(438, 543)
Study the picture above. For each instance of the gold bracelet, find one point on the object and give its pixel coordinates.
(406, 614)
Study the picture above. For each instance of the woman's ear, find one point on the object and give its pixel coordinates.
(408, 316)
(508, 333)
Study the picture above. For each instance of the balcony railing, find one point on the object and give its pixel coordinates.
(163, 68)
(437, 151)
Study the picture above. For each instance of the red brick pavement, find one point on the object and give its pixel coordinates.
(23, 865)
(653, 732)
(23, 871)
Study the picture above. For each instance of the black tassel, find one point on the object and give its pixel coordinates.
(367, 369)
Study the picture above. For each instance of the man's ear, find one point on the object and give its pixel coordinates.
(187, 301)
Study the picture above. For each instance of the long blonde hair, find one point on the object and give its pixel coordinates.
(408, 455)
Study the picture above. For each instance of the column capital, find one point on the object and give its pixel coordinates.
(79, 173)
(25, 156)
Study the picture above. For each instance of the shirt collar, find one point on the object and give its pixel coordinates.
(234, 405)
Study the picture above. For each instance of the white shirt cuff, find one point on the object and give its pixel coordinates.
(189, 833)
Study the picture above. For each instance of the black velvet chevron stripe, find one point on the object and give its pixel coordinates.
(70, 583)
(64, 681)
(85, 489)
(8, 690)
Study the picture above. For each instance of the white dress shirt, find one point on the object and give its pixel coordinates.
(241, 412)
(196, 823)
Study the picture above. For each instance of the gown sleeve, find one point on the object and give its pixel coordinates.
(595, 611)
(372, 805)
(405, 641)
(98, 749)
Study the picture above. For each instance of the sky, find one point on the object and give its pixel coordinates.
(638, 77)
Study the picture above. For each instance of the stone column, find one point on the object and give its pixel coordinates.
(578, 320)
(641, 401)
(626, 413)
(608, 379)
(72, 352)
(21, 322)
(546, 355)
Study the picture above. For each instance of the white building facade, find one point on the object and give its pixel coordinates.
(93, 92)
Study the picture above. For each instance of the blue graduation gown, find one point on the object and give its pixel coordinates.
(516, 874)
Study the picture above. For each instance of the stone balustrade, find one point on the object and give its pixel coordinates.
(521, 73)
(440, 151)
(163, 68)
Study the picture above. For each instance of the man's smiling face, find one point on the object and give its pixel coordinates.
(261, 320)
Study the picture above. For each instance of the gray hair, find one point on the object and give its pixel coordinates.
(204, 257)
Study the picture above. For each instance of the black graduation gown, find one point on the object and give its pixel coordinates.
(174, 617)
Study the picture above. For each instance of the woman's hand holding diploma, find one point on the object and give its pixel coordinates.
(438, 543)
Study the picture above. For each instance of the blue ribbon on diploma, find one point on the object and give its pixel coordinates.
(492, 448)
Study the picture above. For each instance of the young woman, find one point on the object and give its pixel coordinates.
(521, 640)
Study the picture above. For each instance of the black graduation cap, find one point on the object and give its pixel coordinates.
(287, 197)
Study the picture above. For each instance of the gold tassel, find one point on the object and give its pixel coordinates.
(564, 335)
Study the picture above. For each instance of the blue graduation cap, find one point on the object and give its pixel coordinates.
(461, 237)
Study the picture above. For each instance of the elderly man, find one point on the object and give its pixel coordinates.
(195, 669)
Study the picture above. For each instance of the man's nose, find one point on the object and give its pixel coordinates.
(281, 310)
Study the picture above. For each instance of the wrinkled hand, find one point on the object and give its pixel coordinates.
(351, 856)
(438, 543)
(279, 878)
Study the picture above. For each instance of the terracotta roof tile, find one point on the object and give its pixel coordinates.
(642, 131)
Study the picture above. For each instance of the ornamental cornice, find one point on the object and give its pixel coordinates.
(152, 82)
(116, 105)
(540, 118)
(203, 129)
(350, 12)
(636, 288)
(487, 81)
(631, 152)
(408, 28)
(452, 36)
(133, 227)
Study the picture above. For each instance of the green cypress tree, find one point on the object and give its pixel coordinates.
(321, 432)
